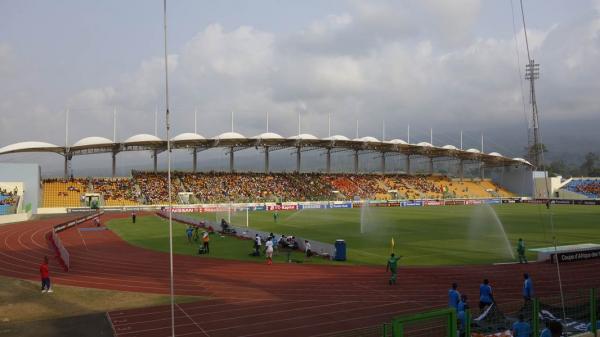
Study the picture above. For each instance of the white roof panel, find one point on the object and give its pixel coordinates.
(230, 135)
(368, 139)
(31, 146)
(337, 137)
(495, 154)
(304, 136)
(187, 136)
(449, 147)
(142, 138)
(473, 151)
(425, 144)
(396, 141)
(93, 141)
(268, 135)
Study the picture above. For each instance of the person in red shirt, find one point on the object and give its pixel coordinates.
(45, 275)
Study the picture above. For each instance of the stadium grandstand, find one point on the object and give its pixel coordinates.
(9, 199)
(150, 188)
(588, 187)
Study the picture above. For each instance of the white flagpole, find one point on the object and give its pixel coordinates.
(169, 174)
(115, 124)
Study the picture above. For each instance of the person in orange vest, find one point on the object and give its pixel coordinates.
(205, 240)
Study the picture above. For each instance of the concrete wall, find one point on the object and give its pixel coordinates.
(5, 219)
(29, 175)
(518, 180)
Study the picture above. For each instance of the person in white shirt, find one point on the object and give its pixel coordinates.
(257, 245)
(307, 248)
(269, 251)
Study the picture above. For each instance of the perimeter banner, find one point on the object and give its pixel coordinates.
(576, 256)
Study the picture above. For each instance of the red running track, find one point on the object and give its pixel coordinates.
(252, 299)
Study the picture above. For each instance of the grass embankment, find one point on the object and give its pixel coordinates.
(22, 301)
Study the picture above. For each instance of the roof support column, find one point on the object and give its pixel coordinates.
(155, 155)
(382, 162)
(231, 159)
(430, 165)
(328, 163)
(298, 159)
(66, 166)
(481, 170)
(407, 164)
(194, 160)
(114, 163)
(461, 170)
(266, 159)
(355, 161)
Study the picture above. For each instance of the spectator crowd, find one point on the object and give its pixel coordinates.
(219, 187)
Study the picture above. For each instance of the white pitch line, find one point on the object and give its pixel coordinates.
(193, 321)
(81, 236)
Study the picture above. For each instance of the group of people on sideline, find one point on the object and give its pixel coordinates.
(271, 244)
(521, 328)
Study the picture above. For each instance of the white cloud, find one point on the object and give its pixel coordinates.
(382, 60)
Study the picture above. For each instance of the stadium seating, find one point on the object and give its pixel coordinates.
(63, 193)
(116, 191)
(154, 187)
(218, 187)
(589, 187)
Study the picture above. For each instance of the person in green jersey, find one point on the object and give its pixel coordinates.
(392, 265)
(521, 251)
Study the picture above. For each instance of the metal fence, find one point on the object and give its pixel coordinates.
(577, 312)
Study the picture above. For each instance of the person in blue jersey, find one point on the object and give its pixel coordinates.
(527, 288)
(521, 328)
(590, 328)
(462, 313)
(453, 297)
(546, 332)
(486, 297)
(189, 232)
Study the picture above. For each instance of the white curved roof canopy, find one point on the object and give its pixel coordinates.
(396, 141)
(495, 154)
(473, 151)
(268, 135)
(368, 139)
(187, 136)
(142, 138)
(522, 160)
(93, 141)
(31, 147)
(449, 147)
(337, 137)
(230, 135)
(425, 144)
(304, 136)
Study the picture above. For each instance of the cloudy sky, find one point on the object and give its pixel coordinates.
(446, 65)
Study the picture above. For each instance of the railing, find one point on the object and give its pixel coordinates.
(578, 316)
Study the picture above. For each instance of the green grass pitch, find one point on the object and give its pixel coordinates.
(449, 235)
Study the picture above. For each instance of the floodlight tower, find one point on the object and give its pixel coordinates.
(532, 73)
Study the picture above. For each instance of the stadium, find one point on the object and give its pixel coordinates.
(411, 245)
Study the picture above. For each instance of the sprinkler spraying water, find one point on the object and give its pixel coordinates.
(501, 227)
(485, 225)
